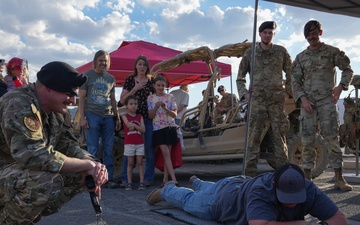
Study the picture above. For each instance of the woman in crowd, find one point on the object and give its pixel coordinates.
(17, 73)
(140, 85)
(3, 85)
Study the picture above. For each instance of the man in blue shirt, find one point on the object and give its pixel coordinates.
(281, 197)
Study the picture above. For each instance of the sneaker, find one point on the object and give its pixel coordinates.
(111, 184)
(155, 196)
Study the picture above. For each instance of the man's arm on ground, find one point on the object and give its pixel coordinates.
(337, 219)
(265, 222)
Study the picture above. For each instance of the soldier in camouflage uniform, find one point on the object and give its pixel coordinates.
(313, 84)
(227, 102)
(268, 94)
(41, 163)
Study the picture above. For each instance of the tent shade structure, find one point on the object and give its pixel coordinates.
(122, 64)
(343, 7)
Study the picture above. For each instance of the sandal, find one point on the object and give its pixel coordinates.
(162, 184)
(129, 187)
(142, 186)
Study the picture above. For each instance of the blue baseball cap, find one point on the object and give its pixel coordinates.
(289, 181)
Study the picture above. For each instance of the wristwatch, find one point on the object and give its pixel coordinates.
(323, 223)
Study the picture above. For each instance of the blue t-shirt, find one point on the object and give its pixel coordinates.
(255, 199)
(99, 88)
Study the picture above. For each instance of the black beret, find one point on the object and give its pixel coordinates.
(61, 77)
(267, 25)
(310, 26)
(221, 87)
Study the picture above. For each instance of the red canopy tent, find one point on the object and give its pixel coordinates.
(122, 63)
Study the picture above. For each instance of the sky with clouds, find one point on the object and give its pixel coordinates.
(73, 30)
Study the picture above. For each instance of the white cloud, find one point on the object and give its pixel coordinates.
(172, 8)
(122, 5)
(154, 28)
(72, 30)
(216, 14)
(61, 30)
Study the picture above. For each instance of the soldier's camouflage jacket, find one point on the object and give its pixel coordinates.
(228, 101)
(269, 65)
(314, 72)
(32, 138)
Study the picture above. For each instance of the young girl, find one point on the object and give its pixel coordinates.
(134, 143)
(140, 85)
(162, 109)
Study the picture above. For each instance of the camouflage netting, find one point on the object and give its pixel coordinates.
(350, 130)
(356, 81)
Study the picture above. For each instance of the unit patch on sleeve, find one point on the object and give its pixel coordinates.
(32, 123)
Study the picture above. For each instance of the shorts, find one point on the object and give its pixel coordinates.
(165, 136)
(132, 150)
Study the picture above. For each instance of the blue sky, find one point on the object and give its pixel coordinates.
(73, 30)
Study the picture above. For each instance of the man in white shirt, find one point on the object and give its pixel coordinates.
(182, 101)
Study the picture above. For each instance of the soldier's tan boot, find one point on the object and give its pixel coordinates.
(307, 173)
(340, 182)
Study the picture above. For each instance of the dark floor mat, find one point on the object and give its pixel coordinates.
(183, 216)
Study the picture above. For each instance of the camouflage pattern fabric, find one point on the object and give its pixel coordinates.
(33, 147)
(314, 76)
(350, 130)
(326, 111)
(314, 72)
(225, 103)
(261, 114)
(267, 101)
(269, 65)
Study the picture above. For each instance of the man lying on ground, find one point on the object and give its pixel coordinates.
(282, 197)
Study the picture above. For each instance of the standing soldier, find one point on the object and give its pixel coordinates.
(313, 83)
(268, 97)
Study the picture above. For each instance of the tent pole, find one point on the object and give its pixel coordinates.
(252, 63)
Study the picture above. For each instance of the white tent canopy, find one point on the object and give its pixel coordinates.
(344, 7)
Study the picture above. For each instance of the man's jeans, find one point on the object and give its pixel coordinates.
(197, 201)
(101, 127)
(149, 155)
